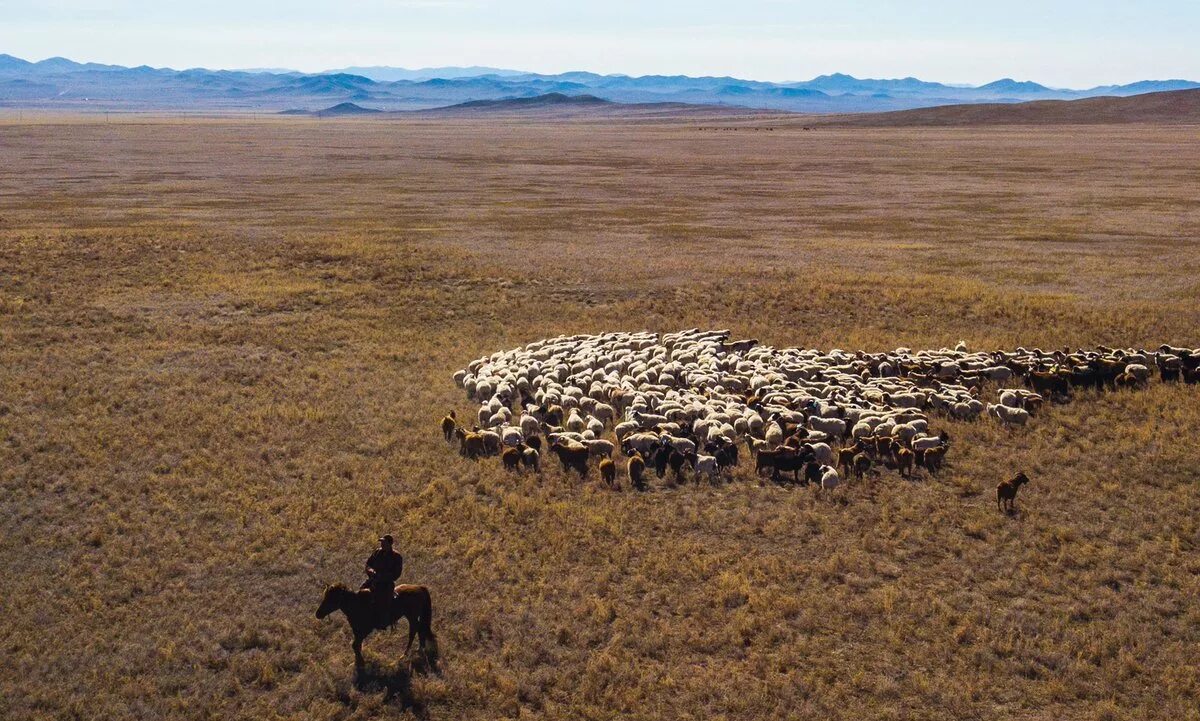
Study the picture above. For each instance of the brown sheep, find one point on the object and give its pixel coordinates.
(608, 473)
(572, 457)
(470, 445)
(532, 459)
(861, 465)
(883, 448)
(1006, 492)
(448, 425)
(636, 468)
(511, 459)
(846, 457)
(904, 458)
(933, 459)
(553, 416)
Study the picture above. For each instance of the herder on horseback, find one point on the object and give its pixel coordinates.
(380, 603)
(383, 570)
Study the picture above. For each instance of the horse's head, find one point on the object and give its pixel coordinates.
(332, 600)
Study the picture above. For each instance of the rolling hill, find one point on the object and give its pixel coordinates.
(1179, 107)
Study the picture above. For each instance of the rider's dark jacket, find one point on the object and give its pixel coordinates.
(387, 565)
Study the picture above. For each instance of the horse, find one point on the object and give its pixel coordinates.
(410, 602)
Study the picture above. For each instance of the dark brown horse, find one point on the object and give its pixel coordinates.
(411, 602)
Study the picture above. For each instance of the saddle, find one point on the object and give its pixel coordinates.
(384, 617)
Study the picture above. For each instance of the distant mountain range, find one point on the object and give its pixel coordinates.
(65, 84)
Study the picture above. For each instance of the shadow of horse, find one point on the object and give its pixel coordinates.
(393, 680)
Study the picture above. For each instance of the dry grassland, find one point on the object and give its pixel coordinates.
(225, 345)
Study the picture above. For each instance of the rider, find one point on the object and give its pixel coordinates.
(383, 568)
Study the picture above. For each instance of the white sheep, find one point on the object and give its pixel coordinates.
(1007, 415)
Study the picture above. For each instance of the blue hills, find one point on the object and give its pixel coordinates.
(67, 84)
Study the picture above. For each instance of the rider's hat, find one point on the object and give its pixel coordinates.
(387, 539)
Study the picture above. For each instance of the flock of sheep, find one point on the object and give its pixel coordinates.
(687, 401)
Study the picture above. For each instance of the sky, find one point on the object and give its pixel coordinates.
(1068, 43)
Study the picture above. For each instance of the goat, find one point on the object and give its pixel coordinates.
(1006, 492)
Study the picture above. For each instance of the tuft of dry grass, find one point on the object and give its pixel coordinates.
(225, 346)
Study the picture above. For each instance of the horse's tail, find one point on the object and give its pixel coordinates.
(427, 612)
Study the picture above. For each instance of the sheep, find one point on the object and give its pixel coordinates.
(449, 422)
(529, 425)
(608, 473)
(846, 456)
(491, 441)
(1006, 492)
(470, 444)
(604, 413)
(822, 453)
(636, 468)
(572, 457)
(600, 448)
(703, 465)
(829, 477)
(933, 457)
(511, 459)
(511, 436)
(531, 459)
(925, 443)
(682, 445)
(835, 427)
(1011, 398)
(1139, 372)
(904, 459)
(575, 422)
(1008, 416)
(690, 387)
(861, 465)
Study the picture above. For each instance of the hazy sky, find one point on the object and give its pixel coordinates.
(1065, 43)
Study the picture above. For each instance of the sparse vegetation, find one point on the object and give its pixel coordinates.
(225, 349)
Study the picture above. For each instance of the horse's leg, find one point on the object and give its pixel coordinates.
(357, 646)
(412, 632)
